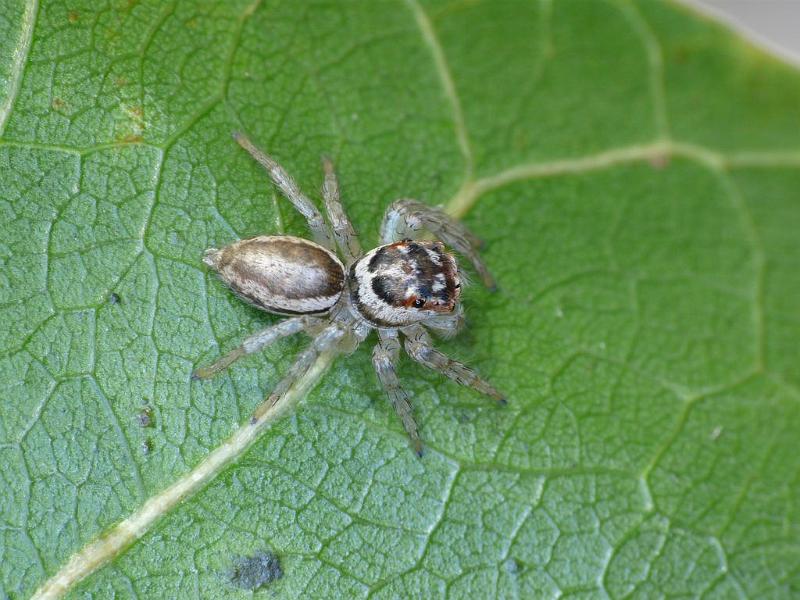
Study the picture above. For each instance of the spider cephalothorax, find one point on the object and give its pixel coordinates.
(404, 282)
(399, 288)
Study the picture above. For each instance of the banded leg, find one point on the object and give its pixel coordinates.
(327, 339)
(254, 343)
(289, 189)
(419, 347)
(384, 358)
(342, 228)
(405, 218)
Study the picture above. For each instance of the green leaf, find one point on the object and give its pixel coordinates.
(634, 171)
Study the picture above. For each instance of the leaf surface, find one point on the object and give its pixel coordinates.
(634, 171)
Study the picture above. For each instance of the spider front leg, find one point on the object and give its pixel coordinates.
(256, 342)
(342, 228)
(405, 218)
(419, 346)
(447, 326)
(289, 189)
(384, 358)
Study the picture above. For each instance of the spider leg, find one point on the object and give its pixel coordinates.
(384, 358)
(419, 347)
(406, 218)
(342, 228)
(327, 339)
(288, 188)
(447, 326)
(254, 343)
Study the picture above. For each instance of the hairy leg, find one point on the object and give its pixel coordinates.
(419, 346)
(327, 339)
(447, 326)
(256, 342)
(406, 218)
(288, 188)
(342, 228)
(384, 358)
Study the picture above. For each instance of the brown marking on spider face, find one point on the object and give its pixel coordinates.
(410, 301)
(280, 274)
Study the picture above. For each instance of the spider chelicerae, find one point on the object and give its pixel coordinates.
(401, 289)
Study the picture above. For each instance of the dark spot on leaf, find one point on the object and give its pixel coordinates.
(131, 139)
(252, 572)
(147, 446)
(145, 417)
(513, 566)
(58, 104)
(113, 298)
(73, 16)
(465, 416)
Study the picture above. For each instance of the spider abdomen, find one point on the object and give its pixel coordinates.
(280, 274)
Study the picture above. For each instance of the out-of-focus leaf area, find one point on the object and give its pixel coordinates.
(635, 173)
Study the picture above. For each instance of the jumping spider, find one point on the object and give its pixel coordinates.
(401, 287)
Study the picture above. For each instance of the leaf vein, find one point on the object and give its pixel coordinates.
(446, 80)
(20, 55)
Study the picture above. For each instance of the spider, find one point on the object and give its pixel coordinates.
(401, 289)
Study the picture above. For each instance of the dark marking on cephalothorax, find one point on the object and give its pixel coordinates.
(382, 258)
(358, 302)
(417, 253)
(426, 270)
(382, 287)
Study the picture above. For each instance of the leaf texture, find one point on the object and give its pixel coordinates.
(633, 170)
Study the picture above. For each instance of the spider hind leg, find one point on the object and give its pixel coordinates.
(254, 343)
(284, 182)
(343, 230)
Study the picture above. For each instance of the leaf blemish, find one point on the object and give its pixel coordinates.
(659, 161)
(253, 572)
(513, 566)
(147, 446)
(145, 417)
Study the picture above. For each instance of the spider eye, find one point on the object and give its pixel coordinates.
(419, 303)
